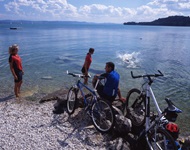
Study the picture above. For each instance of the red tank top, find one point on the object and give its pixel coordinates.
(89, 60)
(17, 62)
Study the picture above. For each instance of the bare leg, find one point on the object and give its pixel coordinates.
(85, 80)
(16, 89)
(94, 81)
(19, 86)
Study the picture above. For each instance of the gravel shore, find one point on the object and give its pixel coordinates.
(26, 125)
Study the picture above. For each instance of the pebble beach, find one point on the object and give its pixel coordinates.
(31, 125)
(27, 125)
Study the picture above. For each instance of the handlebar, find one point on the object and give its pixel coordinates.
(78, 75)
(147, 75)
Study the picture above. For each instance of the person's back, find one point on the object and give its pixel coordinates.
(111, 84)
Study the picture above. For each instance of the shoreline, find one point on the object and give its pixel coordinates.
(60, 94)
(32, 124)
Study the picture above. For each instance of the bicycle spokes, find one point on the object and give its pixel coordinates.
(102, 116)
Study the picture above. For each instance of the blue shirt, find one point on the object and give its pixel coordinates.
(111, 83)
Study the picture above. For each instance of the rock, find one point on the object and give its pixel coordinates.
(59, 106)
(47, 78)
(185, 142)
(118, 144)
(123, 125)
(57, 95)
(48, 99)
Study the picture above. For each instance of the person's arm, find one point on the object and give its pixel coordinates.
(119, 95)
(12, 70)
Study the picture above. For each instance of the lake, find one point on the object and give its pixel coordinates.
(48, 49)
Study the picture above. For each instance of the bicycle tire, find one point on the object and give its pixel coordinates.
(71, 100)
(102, 115)
(163, 141)
(136, 101)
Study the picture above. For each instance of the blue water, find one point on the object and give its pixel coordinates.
(48, 49)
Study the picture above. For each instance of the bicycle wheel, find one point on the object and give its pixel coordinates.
(160, 139)
(71, 100)
(136, 101)
(103, 116)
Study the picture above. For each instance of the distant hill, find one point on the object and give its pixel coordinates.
(169, 21)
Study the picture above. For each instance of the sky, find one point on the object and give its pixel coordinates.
(98, 11)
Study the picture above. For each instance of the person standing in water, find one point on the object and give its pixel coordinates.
(15, 63)
(87, 63)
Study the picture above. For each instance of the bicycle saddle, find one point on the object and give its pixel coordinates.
(171, 107)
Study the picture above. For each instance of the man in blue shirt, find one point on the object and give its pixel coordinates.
(109, 90)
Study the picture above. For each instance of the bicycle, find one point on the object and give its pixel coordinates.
(100, 111)
(150, 127)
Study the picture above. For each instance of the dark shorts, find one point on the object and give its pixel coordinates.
(100, 88)
(83, 70)
(19, 76)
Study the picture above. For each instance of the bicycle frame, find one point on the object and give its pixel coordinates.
(148, 126)
(81, 85)
(150, 94)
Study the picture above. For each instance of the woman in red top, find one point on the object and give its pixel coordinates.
(16, 68)
(87, 63)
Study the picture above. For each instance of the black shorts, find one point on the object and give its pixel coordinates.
(19, 76)
(83, 70)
